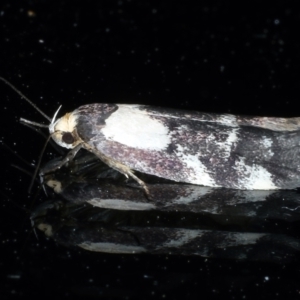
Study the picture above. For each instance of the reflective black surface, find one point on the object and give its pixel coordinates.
(213, 56)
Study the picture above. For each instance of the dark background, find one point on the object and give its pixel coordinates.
(215, 56)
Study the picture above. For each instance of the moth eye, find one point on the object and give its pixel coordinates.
(68, 138)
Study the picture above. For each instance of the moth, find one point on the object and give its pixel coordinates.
(216, 150)
(251, 153)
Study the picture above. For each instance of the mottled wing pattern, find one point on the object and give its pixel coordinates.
(207, 149)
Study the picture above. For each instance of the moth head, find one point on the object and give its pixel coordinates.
(63, 131)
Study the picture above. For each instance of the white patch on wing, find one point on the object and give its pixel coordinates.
(133, 129)
(111, 247)
(199, 174)
(120, 204)
(253, 178)
(195, 192)
(183, 236)
(240, 238)
(243, 196)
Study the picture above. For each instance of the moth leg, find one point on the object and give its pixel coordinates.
(118, 166)
(57, 165)
(139, 181)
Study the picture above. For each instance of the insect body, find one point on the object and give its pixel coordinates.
(198, 148)
(206, 149)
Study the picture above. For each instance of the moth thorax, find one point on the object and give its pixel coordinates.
(55, 185)
(63, 131)
(46, 228)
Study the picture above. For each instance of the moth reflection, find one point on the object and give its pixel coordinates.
(99, 210)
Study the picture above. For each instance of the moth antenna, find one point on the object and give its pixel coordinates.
(21, 169)
(25, 162)
(22, 120)
(38, 165)
(30, 174)
(33, 127)
(43, 185)
(24, 97)
(33, 228)
(54, 117)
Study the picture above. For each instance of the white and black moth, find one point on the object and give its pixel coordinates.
(206, 149)
(250, 153)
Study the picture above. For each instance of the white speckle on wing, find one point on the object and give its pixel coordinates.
(199, 174)
(120, 204)
(225, 146)
(137, 130)
(111, 247)
(267, 142)
(228, 120)
(183, 128)
(231, 140)
(254, 177)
